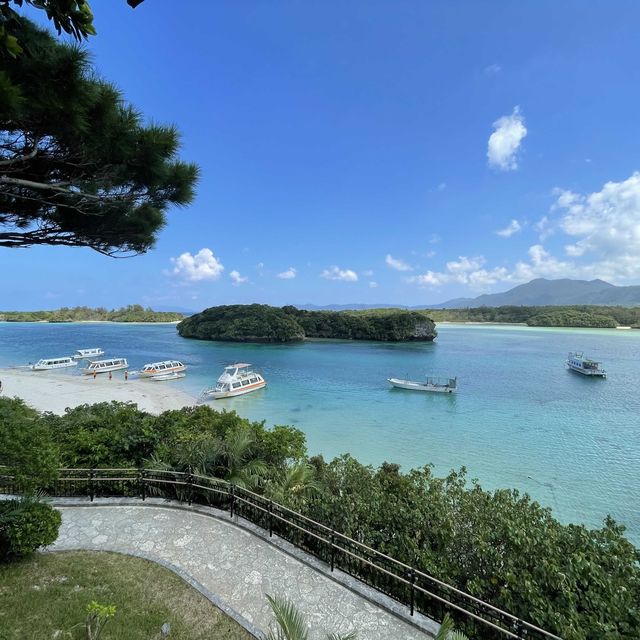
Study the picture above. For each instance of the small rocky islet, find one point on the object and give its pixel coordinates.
(264, 323)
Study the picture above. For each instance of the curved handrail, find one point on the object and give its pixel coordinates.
(235, 499)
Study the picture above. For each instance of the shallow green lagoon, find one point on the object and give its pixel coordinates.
(520, 418)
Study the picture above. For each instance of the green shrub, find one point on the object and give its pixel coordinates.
(26, 525)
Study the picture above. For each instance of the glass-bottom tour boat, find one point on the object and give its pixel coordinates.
(236, 380)
(578, 362)
(88, 354)
(105, 366)
(154, 369)
(53, 363)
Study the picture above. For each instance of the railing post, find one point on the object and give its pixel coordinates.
(232, 499)
(412, 593)
(143, 485)
(333, 549)
(189, 486)
(92, 474)
(519, 629)
(271, 518)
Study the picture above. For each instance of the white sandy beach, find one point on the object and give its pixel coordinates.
(56, 391)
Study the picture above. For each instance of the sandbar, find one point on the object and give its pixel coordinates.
(56, 391)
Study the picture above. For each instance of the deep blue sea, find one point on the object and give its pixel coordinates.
(520, 418)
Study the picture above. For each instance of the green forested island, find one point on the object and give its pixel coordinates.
(594, 316)
(263, 323)
(130, 313)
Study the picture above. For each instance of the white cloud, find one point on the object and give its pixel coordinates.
(605, 225)
(441, 187)
(492, 69)
(434, 238)
(603, 233)
(335, 273)
(465, 265)
(367, 273)
(544, 228)
(513, 227)
(237, 279)
(373, 285)
(397, 263)
(201, 266)
(504, 142)
(289, 274)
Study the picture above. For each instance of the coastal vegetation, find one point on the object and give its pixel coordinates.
(263, 323)
(550, 316)
(78, 165)
(500, 546)
(48, 596)
(130, 313)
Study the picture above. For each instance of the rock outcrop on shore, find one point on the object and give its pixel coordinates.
(263, 323)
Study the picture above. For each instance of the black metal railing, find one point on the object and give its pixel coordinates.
(419, 591)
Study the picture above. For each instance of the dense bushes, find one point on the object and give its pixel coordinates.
(580, 583)
(550, 316)
(26, 525)
(130, 313)
(262, 323)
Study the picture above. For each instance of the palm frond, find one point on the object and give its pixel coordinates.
(446, 628)
(291, 622)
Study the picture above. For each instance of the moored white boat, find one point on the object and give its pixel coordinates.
(158, 368)
(104, 366)
(236, 380)
(436, 385)
(577, 361)
(53, 363)
(87, 354)
(171, 375)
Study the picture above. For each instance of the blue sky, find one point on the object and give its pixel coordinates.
(367, 151)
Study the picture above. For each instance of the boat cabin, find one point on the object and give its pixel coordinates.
(53, 363)
(166, 366)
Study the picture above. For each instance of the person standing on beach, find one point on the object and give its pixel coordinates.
(94, 374)
(110, 375)
(126, 375)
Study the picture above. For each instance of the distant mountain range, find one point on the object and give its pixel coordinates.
(541, 292)
(538, 292)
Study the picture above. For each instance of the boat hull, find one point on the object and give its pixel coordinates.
(173, 375)
(590, 373)
(219, 395)
(35, 367)
(417, 386)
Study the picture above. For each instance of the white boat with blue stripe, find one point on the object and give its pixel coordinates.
(578, 362)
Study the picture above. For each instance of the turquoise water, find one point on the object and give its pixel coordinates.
(520, 418)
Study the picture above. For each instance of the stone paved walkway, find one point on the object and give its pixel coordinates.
(232, 563)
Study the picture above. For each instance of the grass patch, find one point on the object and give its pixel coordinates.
(45, 596)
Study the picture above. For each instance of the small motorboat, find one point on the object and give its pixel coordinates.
(53, 363)
(88, 354)
(436, 385)
(171, 375)
(236, 380)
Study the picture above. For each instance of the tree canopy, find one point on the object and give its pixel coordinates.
(71, 16)
(263, 323)
(78, 167)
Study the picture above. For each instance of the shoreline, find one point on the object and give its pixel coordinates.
(57, 391)
(89, 322)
